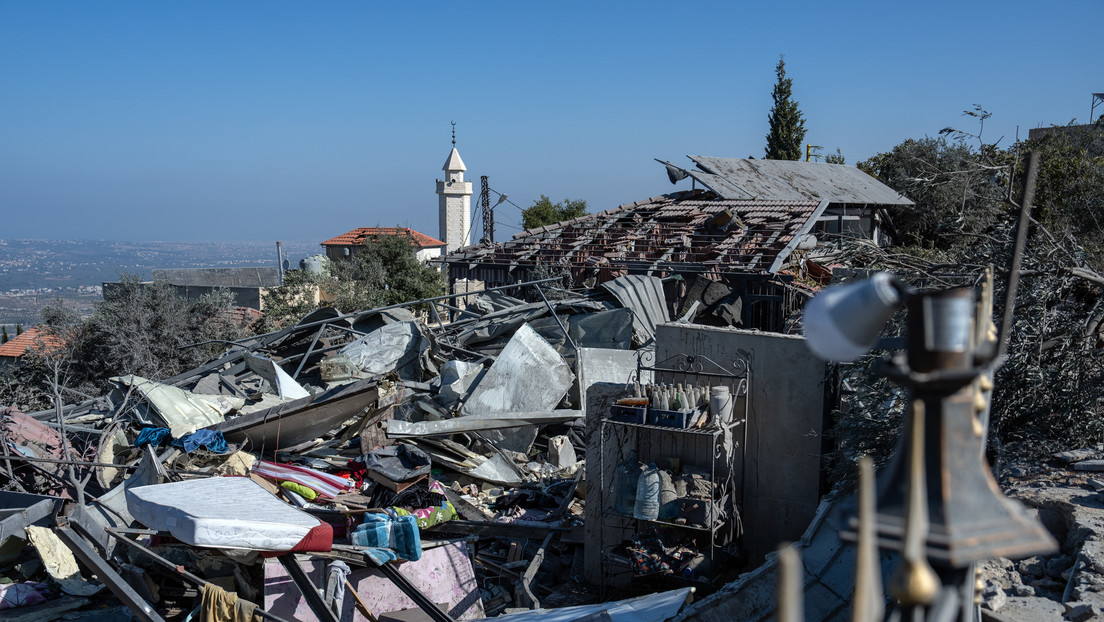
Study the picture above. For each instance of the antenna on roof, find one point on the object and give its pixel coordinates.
(454, 133)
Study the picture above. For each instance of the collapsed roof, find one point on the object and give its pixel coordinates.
(686, 232)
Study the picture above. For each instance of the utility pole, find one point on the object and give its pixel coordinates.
(810, 153)
(488, 215)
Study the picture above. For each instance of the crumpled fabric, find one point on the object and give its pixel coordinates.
(158, 437)
(379, 555)
(400, 534)
(426, 517)
(211, 439)
(337, 572)
(218, 605)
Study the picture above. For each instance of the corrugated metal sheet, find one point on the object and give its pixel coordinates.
(220, 277)
(734, 178)
(644, 296)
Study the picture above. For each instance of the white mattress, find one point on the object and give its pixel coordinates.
(222, 512)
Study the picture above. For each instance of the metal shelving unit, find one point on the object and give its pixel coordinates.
(737, 376)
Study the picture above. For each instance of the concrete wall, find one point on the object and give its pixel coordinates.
(781, 481)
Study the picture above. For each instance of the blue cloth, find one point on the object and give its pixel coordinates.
(375, 531)
(158, 437)
(380, 556)
(398, 537)
(406, 539)
(211, 439)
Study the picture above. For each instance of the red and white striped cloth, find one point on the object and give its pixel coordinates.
(324, 484)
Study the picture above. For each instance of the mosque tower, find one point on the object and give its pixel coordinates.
(454, 205)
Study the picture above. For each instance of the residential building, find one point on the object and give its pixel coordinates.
(34, 338)
(342, 247)
(857, 203)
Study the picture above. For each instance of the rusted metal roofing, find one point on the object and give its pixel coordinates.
(733, 178)
(681, 232)
(357, 236)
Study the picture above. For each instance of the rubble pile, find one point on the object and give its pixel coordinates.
(411, 463)
(1067, 493)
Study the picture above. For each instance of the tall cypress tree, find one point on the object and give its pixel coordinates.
(787, 126)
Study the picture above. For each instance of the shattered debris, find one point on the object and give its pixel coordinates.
(368, 463)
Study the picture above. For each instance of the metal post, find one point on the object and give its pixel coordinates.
(98, 565)
(309, 351)
(558, 321)
(280, 262)
(303, 582)
(1017, 254)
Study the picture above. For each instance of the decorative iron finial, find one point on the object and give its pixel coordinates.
(454, 133)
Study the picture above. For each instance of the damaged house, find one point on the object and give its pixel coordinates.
(734, 247)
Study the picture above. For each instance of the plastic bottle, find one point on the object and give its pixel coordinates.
(720, 405)
(625, 478)
(647, 494)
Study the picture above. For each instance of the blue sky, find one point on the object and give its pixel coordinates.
(288, 120)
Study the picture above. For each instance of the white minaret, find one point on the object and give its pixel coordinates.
(454, 203)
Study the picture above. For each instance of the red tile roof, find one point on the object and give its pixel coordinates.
(32, 337)
(357, 236)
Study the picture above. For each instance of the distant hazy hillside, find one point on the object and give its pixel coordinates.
(34, 272)
(35, 264)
